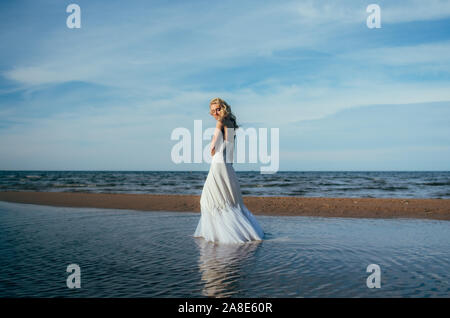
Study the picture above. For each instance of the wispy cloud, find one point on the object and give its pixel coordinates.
(317, 12)
(430, 53)
(134, 72)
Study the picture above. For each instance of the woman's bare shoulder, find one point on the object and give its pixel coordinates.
(219, 124)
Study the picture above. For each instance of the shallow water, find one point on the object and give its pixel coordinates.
(125, 253)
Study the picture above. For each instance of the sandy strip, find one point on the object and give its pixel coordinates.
(287, 206)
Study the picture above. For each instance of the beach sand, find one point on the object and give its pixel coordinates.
(287, 206)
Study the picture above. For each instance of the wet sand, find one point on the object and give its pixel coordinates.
(287, 206)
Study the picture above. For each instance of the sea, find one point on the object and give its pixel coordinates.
(367, 184)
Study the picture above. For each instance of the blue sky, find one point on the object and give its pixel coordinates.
(108, 95)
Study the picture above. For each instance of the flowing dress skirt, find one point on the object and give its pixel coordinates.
(224, 217)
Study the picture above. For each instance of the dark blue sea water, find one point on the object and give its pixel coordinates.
(384, 184)
(124, 253)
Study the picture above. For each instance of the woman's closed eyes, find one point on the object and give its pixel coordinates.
(213, 111)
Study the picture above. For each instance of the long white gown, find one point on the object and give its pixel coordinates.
(224, 217)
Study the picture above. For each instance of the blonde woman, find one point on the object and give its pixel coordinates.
(224, 217)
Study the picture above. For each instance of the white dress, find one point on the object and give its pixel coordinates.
(224, 217)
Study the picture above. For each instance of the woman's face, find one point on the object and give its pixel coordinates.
(214, 110)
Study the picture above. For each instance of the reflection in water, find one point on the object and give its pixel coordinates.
(222, 265)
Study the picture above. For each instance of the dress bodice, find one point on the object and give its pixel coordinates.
(225, 147)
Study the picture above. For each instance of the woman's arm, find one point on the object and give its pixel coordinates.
(217, 135)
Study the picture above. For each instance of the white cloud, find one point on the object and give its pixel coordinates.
(337, 13)
(414, 10)
(403, 55)
(359, 154)
(38, 75)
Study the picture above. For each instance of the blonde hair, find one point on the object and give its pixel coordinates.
(225, 114)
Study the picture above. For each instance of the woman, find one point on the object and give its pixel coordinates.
(224, 217)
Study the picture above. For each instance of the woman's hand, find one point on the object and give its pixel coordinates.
(213, 151)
